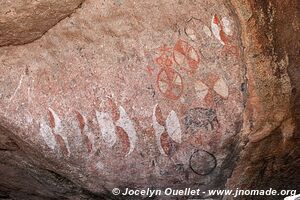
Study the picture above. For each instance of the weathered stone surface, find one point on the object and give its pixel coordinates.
(271, 40)
(148, 94)
(22, 21)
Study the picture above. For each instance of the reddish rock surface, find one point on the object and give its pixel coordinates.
(149, 94)
(23, 21)
(271, 40)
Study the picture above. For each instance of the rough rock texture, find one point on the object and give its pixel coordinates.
(270, 157)
(151, 94)
(22, 21)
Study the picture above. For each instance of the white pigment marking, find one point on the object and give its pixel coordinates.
(193, 54)
(227, 26)
(58, 128)
(221, 88)
(201, 90)
(216, 30)
(107, 128)
(206, 31)
(127, 125)
(163, 86)
(47, 135)
(77, 138)
(14, 94)
(191, 34)
(180, 58)
(173, 126)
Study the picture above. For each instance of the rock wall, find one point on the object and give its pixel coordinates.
(147, 94)
(271, 40)
(24, 21)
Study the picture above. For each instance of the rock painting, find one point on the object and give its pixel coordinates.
(170, 83)
(82, 123)
(166, 131)
(127, 125)
(202, 162)
(186, 56)
(114, 126)
(121, 127)
(107, 128)
(217, 30)
(213, 84)
(222, 31)
(197, 118)
(201, 90)
(46, 133)
(207, 31)
(52, 133)
(169, 80)
(221, 88)
(173, 126)
(174, 64)
(193, 29)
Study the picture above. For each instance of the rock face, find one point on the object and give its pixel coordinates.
(127, 94)
(22, 21)
(271, 40)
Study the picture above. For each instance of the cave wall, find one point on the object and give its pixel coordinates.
(75, 73)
